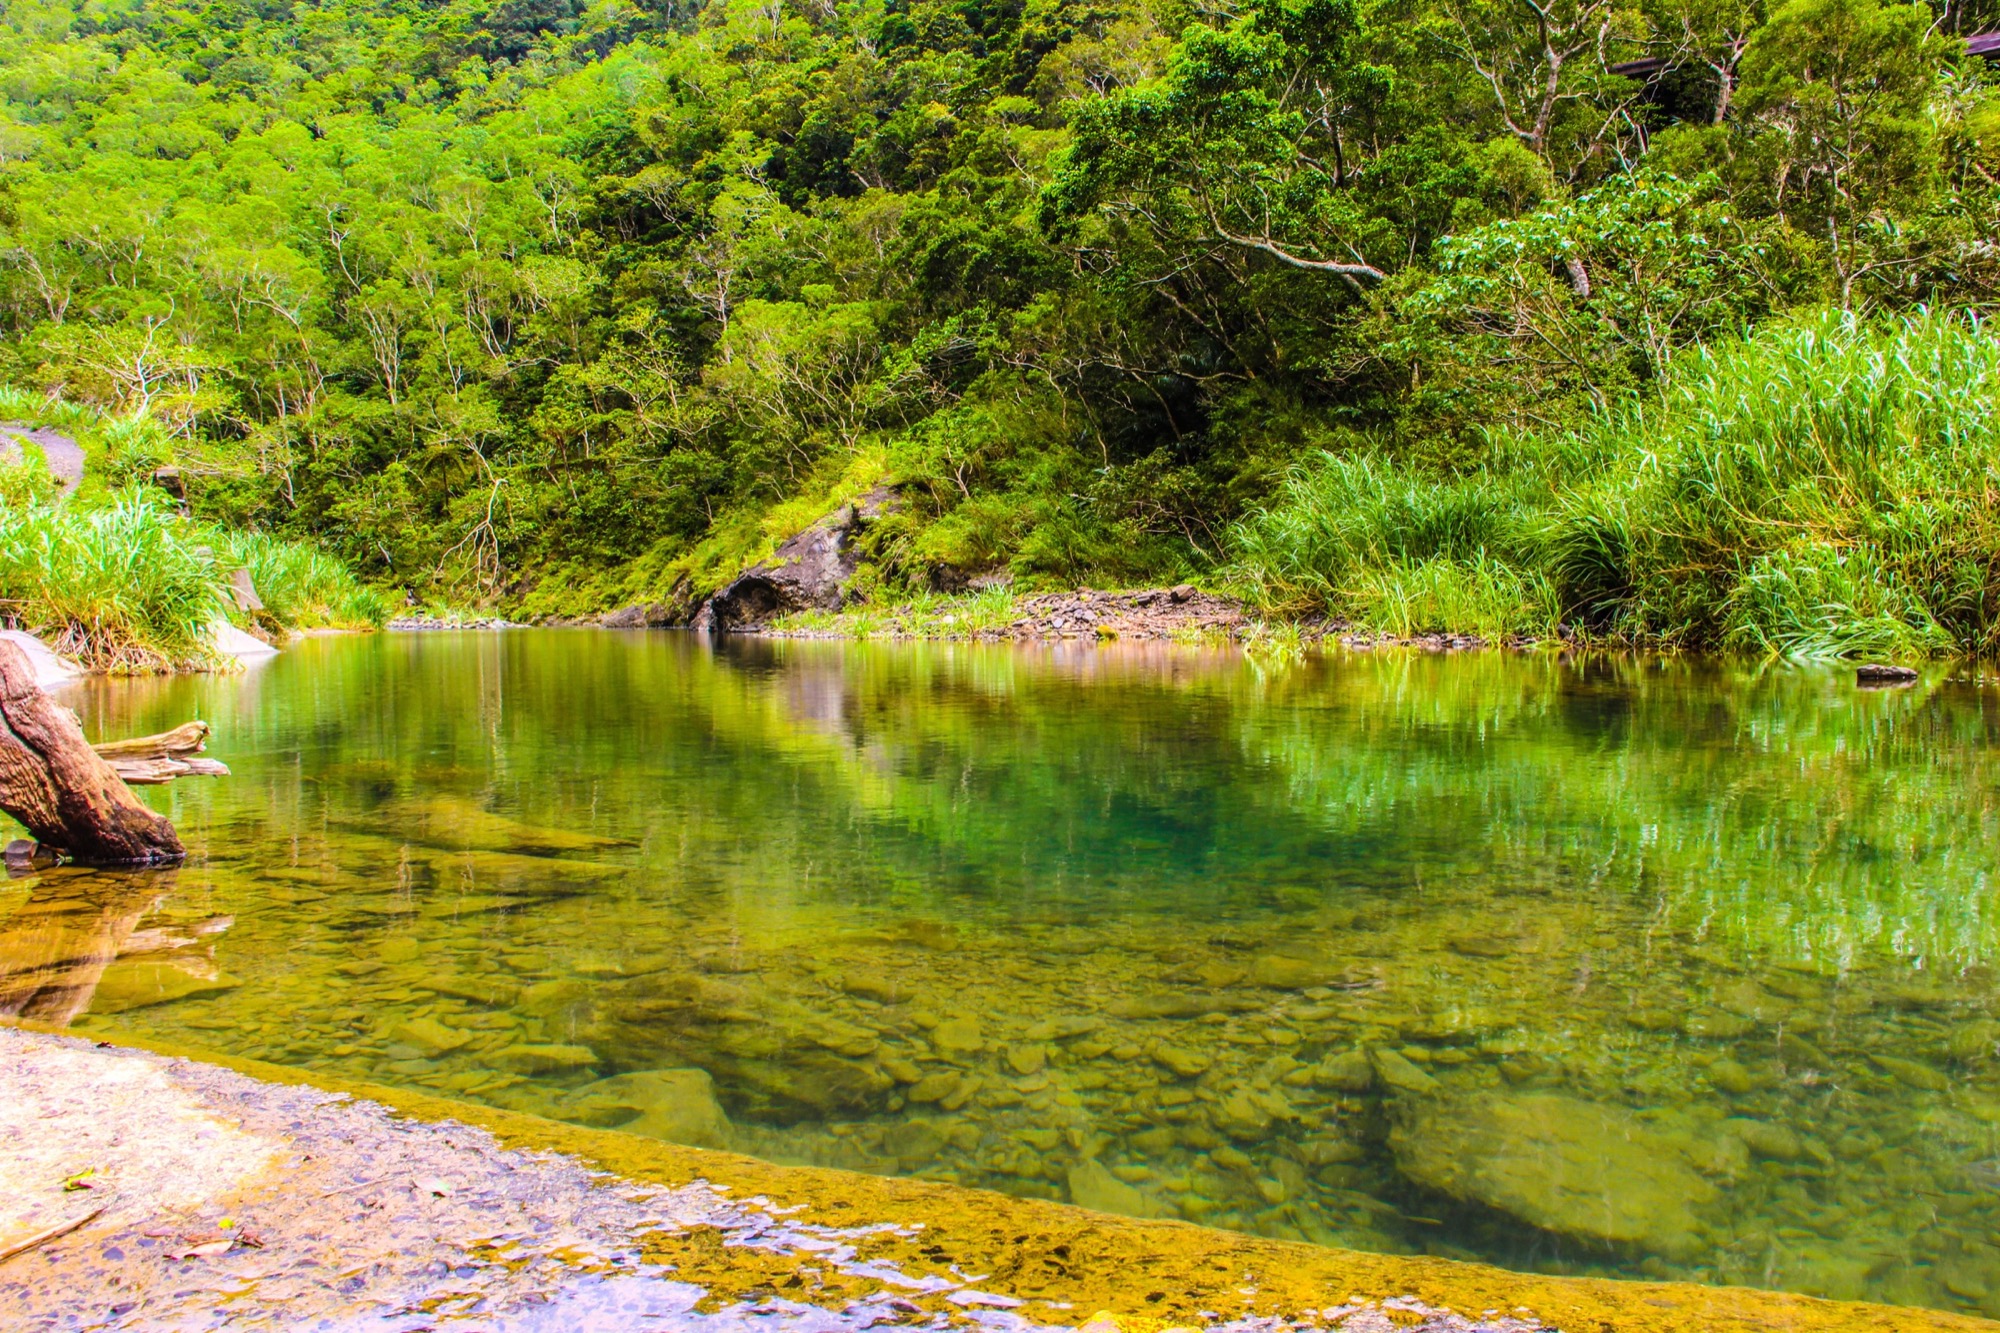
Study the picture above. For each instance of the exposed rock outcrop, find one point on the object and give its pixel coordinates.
(810, 572)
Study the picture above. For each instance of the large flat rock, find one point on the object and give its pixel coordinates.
(1581, 1169)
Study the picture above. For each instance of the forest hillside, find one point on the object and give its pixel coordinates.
(1649, 318)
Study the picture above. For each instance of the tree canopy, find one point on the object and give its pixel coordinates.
(568, 304)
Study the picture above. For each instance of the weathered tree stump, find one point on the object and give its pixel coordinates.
(64, 792)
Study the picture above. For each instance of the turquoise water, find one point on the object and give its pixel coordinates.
(1619, 966)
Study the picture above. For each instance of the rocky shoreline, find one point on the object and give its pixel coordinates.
(147, 1191)
(1180, 614)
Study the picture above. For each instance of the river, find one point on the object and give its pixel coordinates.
(1623, 966)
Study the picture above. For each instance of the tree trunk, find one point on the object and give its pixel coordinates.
(63, 791)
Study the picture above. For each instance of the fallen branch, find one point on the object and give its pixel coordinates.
(148, 761)
(9, 1249)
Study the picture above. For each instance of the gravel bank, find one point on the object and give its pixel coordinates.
(188, 1196)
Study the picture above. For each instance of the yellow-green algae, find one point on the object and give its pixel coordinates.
(1150, 1275)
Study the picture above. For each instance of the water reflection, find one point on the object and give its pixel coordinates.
(1615, 966)
(74, 944)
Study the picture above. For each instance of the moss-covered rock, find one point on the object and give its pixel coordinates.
(1581, 1169)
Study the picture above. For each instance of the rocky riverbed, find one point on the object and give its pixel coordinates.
(143, 1192)
(1334, 1078)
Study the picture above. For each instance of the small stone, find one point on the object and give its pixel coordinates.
(958, 1036)
(1910, 1072)
(1181, 1062)
(399, 949)
(1768, 1140)
(1350, 1071)
(1231, 1159)
(1282, 972)
(1717, 1026)
(1728, 1076)
(544, 1059)
(1091, 1185)
(935, 1087)
(429, 1036)
(869, 986)
(914, 1142)
(903, 1071)
(1218, 975)
(1399, 1074)
(1027, 1058)
(1240, 1116)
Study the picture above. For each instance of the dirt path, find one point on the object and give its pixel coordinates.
(64, 454)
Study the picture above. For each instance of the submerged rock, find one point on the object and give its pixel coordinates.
(1581, 1169)
(1910, 1072)
(674, 1105)
(544, 1058)
(1398, 1072)
(1284, 972)
(140, 982)
(428, 1035)
(1091, 1185)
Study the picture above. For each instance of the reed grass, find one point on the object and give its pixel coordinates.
(128, 585)
(1820, 490)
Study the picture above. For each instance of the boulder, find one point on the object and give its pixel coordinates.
(1586, 1170)
(809, 572)
(643, 615)
(50, 668)
(673, 1105)
(229, 641)
(1091, 1185)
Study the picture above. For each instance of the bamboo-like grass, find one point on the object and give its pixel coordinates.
(1824, 489)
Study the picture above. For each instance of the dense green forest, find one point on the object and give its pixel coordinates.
(1645, 317)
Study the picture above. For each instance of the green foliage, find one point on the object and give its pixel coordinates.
(563, 307)
(117, 586)
(122, 583)
(1819, 490)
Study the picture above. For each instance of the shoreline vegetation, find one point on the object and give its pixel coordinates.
(1634, 324)
(109, 574)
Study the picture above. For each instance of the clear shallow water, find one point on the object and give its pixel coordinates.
(1626, 968)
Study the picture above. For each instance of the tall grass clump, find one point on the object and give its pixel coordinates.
(117, 587)
(1822, 490)
(1825, 489)
(1400, 551)
(301, 586)
(126, 584)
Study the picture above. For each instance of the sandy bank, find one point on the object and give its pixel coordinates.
(198, 1196)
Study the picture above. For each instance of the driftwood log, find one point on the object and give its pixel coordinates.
(148, 761)
(70, 796)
